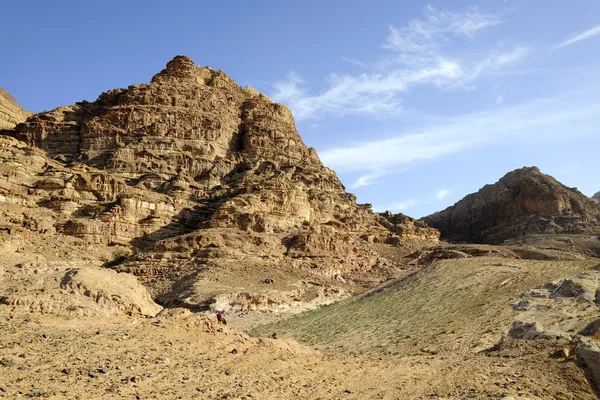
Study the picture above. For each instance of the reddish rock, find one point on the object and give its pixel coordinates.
(524, 201)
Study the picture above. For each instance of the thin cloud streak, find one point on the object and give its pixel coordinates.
(368, 179)
(402, 206)
(543, 119)
(428, 35)
(415, 58)
(590, 33)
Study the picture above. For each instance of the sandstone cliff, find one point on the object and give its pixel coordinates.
(211, 187)
(524, 201)
(11, 113)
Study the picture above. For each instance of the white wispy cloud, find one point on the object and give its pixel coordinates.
(542, 119)
(399, 206)
(430, 33)
(496, 61)
(577, 37)
(441, 194)
(415, 55)
(367, 179)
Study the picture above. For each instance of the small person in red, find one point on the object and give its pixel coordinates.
(221, 319)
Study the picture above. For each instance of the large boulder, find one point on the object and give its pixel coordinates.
(588, 352)
(73, 292)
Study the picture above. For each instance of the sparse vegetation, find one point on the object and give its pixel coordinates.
(453, 306)
(118, 256)
(92, 210)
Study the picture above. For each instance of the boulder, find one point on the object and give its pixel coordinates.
(588, 352)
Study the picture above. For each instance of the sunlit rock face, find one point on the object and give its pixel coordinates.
(191, 168)
(11, 112)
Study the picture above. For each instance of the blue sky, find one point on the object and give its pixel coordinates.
(413, 104)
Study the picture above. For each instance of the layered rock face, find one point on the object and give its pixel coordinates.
(524, 201)
(11, 113)
(407, 227)
(43, 267)
(200, 175)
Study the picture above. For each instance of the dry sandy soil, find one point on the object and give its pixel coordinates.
(183, 356)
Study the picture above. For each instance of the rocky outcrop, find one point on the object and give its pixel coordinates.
(407, 227)
(596, 196)
(11, 113)
(588, 352)
(38, 285)
(199, 175)
(523, 202)
(44, 196)
(569, 308)
(84, 292)
(527, 330)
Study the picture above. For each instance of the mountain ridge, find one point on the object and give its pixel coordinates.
(524, 201)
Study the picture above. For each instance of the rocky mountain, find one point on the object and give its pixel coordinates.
(11, 113)
(524, 201)
(191, 191)
(207, 188)
(596, 196)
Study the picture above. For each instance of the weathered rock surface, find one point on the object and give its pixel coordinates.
(523, 202)
(407, 227)
(527, 330)
(77, 292)
(68, 287)
(11, 113)
(566, 306)
(588, 352)
(596, 196)
(565, 310)
(205, 182)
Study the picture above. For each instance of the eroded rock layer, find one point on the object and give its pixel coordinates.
(524, 201)
(207, 182)
(11, 113)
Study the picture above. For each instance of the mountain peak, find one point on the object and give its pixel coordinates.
(192, 169)
(523, 201)
(182, 67)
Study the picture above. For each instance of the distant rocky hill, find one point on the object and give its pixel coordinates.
(210, 188)
(11, 113)
(524, 201)
(596, 196)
